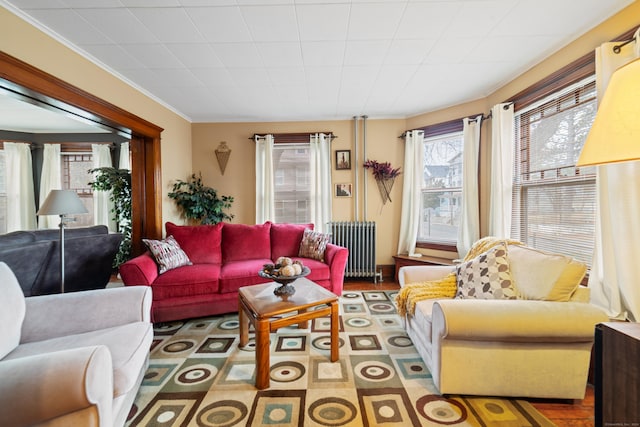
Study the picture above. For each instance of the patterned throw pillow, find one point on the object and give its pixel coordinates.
(167, 253)
(313, 244)
(487, 276)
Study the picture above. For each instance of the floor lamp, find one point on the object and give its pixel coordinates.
(615, 134)
(62, 203)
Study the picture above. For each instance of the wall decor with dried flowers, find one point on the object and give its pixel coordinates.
(385, 175)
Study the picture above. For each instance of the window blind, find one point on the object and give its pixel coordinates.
(554, 202)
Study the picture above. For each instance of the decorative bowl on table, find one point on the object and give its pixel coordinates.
(284, 272)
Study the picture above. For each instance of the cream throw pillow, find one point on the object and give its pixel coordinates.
(537, 272)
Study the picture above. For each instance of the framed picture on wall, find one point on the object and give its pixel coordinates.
(343, 190)
(343, 159)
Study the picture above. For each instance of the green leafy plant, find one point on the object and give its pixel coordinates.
(200, 203)
(118, 182)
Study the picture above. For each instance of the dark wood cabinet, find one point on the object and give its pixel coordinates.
(617, 374)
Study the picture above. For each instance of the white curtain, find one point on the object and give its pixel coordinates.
(124, 161)
(469, 228)
(320, 177)
(265, 188)
(411, 191)
(501, 170)
(102, 205)
(21, 206)
(50, 179)
(614, 274)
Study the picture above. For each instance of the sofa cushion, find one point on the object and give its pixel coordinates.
(318, 269)
(236, 274)
(69, 233)
(12, 310)
(313, 244)
(167, 254)
(28, 262)
(201, 243)
(487, 276)
(534, 271)
(18, 237)
(196, 279)
(244, 242)
(126, 357)
(286, 238)
(565, 287)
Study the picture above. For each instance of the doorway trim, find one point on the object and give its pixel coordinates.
(146, 179)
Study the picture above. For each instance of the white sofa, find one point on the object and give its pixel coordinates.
(499, 347)
(74, 359)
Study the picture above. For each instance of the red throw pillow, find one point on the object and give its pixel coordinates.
(242, 242)
(202, 243)
(286, 238)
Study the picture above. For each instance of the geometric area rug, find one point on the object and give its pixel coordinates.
(198, 376)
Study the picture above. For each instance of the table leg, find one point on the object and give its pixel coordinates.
(304, 324)
(244, 325)
(335, 350)
(263, 367)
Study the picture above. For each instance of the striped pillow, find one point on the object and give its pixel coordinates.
(313, 244)
(167, 253)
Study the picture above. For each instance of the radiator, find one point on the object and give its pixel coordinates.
(360, 238)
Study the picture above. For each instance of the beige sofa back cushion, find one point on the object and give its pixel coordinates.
(540, 275)
(12, 310)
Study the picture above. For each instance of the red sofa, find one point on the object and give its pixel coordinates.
(224, 258)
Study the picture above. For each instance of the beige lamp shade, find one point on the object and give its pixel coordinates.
(615, 133)
(62, 202)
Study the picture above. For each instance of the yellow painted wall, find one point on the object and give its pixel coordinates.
(25, 42)
(238, 180)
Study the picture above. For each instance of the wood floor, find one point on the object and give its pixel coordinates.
(563, 413)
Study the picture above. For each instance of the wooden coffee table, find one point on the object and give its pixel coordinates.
(267, 313)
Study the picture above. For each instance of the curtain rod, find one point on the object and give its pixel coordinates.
(484, 117)
(618, 47)
(292, 135)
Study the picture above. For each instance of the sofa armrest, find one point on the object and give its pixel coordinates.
(141, 270)
(423, 273)
(515, 320)
(48, 386)
(336, 258)
(50, 316)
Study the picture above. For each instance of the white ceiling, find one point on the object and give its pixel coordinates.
(284, 60)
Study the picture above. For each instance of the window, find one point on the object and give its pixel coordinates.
(292, 184)
(75, 176)
(553, 201)
(441, 189)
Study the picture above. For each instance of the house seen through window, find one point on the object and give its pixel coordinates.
(75, 176)
(75, 168)
(441, 189)
(292, 183)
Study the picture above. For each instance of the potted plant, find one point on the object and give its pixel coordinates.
(118, 182)
(199, 203)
